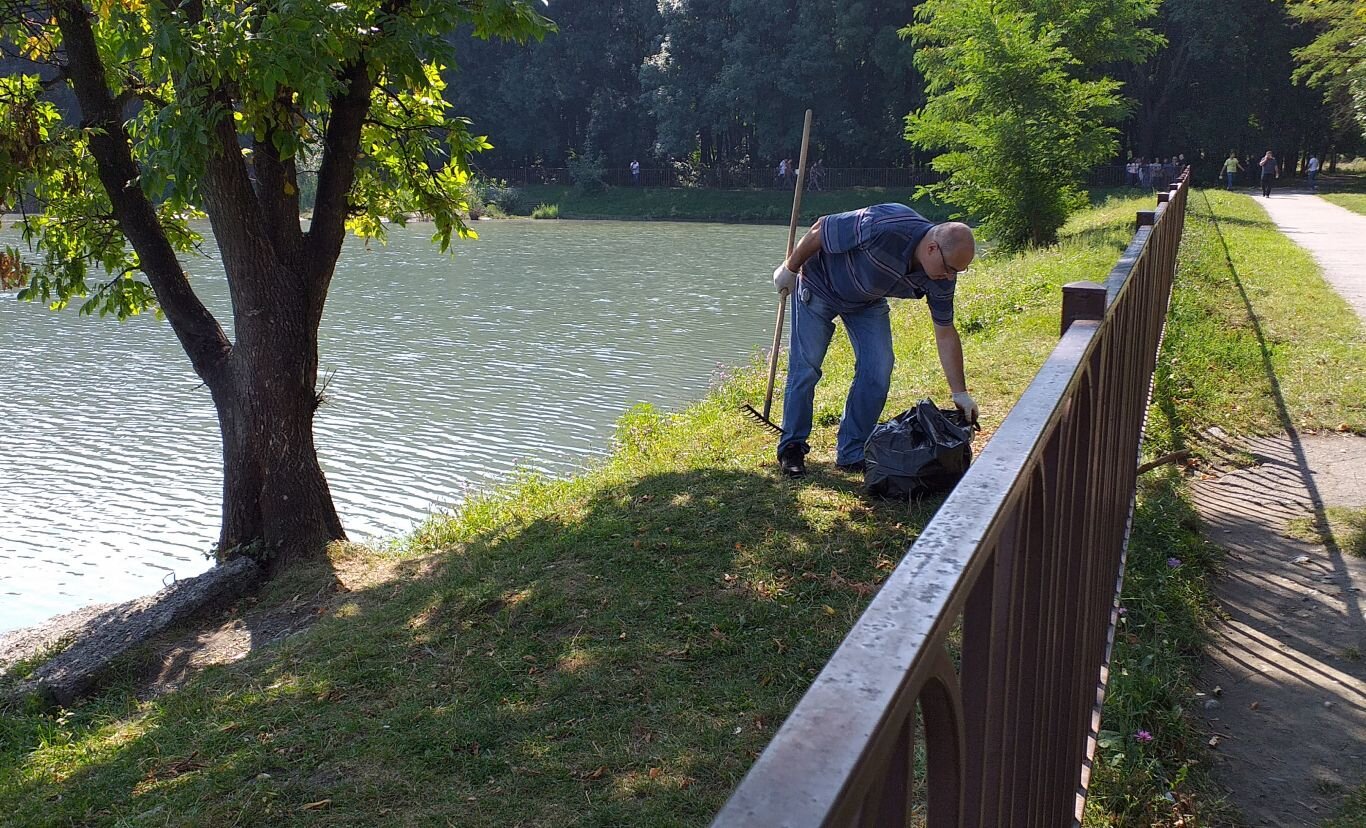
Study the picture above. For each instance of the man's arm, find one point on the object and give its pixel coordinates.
(950, 356)
(808, 246)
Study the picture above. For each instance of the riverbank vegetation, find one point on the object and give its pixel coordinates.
(616, 648)
(215, 112)
(698, 204)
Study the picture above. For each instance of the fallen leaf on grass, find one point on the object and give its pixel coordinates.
(315, 806)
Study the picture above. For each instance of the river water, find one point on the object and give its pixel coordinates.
(445, 375)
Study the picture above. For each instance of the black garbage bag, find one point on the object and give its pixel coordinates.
(923, 450)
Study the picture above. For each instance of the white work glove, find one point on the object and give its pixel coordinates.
(965, 404)
(784, 280)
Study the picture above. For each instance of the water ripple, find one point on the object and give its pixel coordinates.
(444, 375)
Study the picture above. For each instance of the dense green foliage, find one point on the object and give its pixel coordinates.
(698, 82)
(722, 83)
(1020, 116)
(1335, 61)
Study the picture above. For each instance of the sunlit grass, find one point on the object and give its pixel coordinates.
(1356, 202)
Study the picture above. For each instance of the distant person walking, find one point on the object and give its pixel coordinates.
(782, 173)
(815, 176)
(1232, 166)
(635, 173)
(1271, 169)
(1313, 171)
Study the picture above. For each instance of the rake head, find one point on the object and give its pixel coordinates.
(762, 420)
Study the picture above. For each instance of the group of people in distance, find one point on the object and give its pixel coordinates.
(1268, 170)
(787, 174)
(1149, 174)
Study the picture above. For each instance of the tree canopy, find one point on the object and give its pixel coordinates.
(1335, 61)
(1021, 117)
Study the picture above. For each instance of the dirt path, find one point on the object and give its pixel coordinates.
(1285, 683)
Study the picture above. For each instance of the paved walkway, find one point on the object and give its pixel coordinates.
(1285, 682)
(1335, 235)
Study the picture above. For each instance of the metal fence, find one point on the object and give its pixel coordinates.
(831, 178)
(1028, 554)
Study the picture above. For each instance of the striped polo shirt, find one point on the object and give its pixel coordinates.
(865, 257)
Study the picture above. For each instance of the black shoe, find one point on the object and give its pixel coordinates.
(792, 460)
(857, 467)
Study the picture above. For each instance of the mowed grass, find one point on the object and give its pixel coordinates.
(1356, 202)
(616, 648)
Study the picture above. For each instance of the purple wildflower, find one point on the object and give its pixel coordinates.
(1173, 562)
(1143, 737)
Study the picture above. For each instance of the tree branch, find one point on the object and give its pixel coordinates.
(199, 333)
(336, 174)
(277, 192)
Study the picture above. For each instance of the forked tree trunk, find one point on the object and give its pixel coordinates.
(277, 507)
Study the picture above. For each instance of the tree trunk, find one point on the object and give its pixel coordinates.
(277, 507)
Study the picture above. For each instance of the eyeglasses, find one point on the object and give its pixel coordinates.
(947, 269)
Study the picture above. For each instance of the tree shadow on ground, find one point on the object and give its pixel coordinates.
(620, 658)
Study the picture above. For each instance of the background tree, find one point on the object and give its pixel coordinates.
(1224, 82)
(731, 78)
(1019, 116)
(210, 105)
(579, 88)
(1335, 63)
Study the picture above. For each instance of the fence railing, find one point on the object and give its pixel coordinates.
(1027, 554)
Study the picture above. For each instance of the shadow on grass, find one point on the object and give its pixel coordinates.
(620, 658)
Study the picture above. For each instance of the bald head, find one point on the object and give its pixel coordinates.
(958, 243)
(946, 250)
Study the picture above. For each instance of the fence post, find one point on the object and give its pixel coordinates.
(1146, 218)
(1081, 300)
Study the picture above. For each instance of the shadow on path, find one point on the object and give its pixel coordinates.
(1289, 720)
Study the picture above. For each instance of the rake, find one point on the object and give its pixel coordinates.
(763, 419)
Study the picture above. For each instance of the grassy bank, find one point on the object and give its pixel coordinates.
(751, 206)
(616, 648)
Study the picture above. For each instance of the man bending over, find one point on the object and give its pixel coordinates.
(847, 266)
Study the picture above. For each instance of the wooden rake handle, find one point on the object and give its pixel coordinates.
(791, 241)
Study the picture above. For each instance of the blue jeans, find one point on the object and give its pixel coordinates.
(1314, 180)
(1228, 176)
(870, 332)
